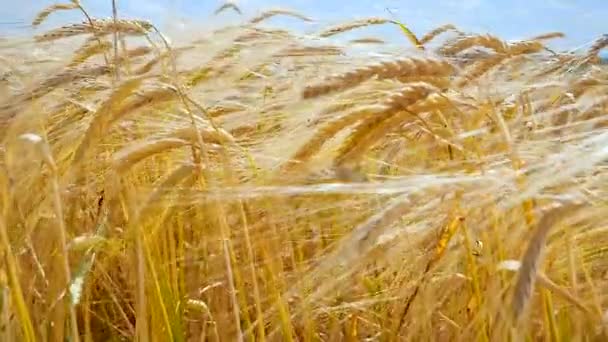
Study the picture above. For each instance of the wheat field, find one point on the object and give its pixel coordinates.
(261, 184)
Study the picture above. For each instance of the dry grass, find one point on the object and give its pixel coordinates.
(257, 184)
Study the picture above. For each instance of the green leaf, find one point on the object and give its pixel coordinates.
(409, 34)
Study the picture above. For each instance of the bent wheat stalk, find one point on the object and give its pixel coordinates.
(532, 258)
(133, 154)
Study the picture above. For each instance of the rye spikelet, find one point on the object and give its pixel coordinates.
(227, 6)
(42, 15)
(353, 25)
(408, 67)
(486, 41)
(532, 258)
(436, 32)
(274, 12)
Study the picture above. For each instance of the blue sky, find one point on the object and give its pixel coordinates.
(581, 20)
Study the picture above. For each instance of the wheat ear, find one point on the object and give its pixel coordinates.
(524, 48)
(103, 115)
(351, 25)
(548, 36)
(274, 12)
(368, 41)
(480, 68)
(218, 136)
(487, 41)
(408, 67)
(597, 46)
(99, 27)
(89, 49)
(436, 32)
(370, 130)
(132, 154)
(227, 6)
(42, 15)
(141, 100)
(329, 130)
